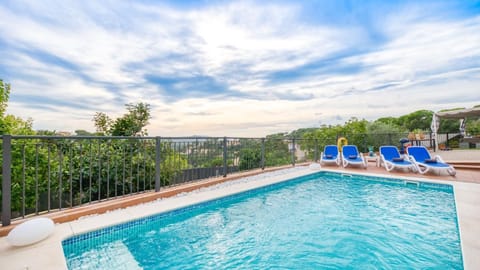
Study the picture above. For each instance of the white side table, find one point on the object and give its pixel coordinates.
(375, 159)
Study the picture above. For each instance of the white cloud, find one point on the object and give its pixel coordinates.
(109, 47)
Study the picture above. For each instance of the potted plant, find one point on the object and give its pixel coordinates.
(419, 135)
(370, 151)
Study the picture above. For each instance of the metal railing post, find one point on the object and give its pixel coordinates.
(316, 150)
(262, 165)
(6, 180)
(157, 163)
(432, 141)
(293, 152)
(365, 146)
(225, 157)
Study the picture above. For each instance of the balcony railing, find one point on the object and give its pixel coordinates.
(41, 174)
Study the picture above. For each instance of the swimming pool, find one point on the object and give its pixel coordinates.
(323, 220)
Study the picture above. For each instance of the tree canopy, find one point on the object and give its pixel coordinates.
(10, 124)
(4, 96)
(421, 119)
(131, 123)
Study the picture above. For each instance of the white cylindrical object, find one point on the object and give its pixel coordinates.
(31, 231)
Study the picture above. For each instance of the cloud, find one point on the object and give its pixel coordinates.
(239, 68)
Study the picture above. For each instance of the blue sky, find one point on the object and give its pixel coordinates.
(237, 68)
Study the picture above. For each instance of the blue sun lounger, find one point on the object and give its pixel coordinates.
(420, 156)
(330, 155)
(391, 159)
(351, 156)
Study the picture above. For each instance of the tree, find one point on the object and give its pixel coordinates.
(10, 124)
(449, 126)
(102, 123)
(14, 125)
(392, 121)
(4, 96)
(250, 158)
(276, 150)
(384, 127)
(355, 131)
(123, 126)
(473, 127)
(421, 119)
(384, 133)
(299, 132)
(354, 126)
(45, 132)
(130, 124)
(139, 115)
(27, 152)
(82, 132)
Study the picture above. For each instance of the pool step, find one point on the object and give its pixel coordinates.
(411, 183)
(468, 165)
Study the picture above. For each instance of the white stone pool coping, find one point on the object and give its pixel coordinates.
(48, 254)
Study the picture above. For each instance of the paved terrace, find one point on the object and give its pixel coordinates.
(453, 156)
(466, 184)
(460, 155)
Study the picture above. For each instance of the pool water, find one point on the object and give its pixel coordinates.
(320, 221)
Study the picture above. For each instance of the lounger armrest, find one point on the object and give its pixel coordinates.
(439, 159)
(382, 159)
(364, 160)
(411, 158)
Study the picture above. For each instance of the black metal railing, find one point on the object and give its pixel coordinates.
(41, 174)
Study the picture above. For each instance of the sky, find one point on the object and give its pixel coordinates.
(237, 68)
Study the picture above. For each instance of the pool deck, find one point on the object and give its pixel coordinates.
(48, 254)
